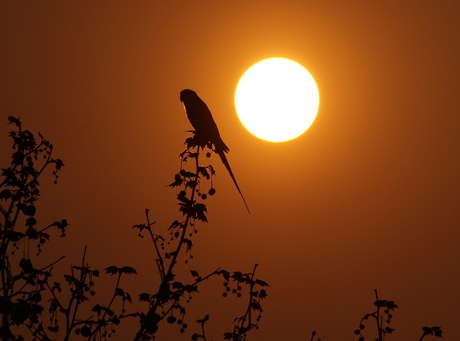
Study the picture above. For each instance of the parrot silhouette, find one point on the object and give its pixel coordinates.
(202, 121)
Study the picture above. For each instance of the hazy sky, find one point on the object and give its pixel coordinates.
(368, 198)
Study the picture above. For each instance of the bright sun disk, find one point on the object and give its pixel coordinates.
(277, 99)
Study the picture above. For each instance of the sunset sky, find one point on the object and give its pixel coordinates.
(368, 198)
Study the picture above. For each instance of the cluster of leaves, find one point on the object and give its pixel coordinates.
(382, 317)
(431, 331)
(22, 284)
(103, 319)
(168, 303)
(246, 322)
(25, 287)
(379, 316)
(233, 283)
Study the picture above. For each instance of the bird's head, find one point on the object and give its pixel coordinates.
(187, 94)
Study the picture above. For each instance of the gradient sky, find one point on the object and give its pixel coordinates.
(367, 198)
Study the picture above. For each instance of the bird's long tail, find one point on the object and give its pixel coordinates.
(227, 165)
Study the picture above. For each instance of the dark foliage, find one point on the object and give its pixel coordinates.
(383, 316)
(168, 303)
(35, 306)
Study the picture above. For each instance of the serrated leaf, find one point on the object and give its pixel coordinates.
(261, 283)
(128, 270)
(111, 270)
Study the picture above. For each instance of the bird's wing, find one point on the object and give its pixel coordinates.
(201, 119)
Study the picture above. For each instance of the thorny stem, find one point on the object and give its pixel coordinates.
(154, 240)
(249, 308)
(187, 219)
(102, 319)
(168, 274)
(69, 321)
(250, 293)
(378, 318)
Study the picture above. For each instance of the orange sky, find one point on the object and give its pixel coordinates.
(367, 198)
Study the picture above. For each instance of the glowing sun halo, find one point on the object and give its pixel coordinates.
(277, 99)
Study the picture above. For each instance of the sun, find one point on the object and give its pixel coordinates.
(277, 99)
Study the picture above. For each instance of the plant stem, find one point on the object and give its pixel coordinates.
(378, 320)
(168, 274)
(187, 220)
